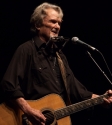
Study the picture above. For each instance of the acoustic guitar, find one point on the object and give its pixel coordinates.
(52, 106)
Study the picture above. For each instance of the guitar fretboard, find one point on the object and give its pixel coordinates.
(60, 113)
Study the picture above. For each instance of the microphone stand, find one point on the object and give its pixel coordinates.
(99, 67)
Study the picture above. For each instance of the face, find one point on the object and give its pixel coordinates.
(50, 26)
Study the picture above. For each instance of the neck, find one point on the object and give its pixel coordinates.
(43, 38)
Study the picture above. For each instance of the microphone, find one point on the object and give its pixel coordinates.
(53, 40)
(76, 40)
(60, 41)
(57, 42)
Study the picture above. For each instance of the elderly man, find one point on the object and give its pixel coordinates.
(34, 71)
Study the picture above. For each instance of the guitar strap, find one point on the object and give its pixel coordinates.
(63, 73)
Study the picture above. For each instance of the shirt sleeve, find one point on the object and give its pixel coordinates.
(79, 92)
(14, 75)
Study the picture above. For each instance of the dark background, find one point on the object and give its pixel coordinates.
(90, 21)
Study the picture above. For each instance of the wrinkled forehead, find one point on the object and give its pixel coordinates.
(53, 12)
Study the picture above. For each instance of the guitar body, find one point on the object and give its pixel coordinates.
(10, 115)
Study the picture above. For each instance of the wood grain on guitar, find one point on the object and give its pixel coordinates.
(52, 106)
(48, 104)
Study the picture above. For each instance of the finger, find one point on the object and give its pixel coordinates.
(107, 100)
(42, 123)
(110, 99)
(110, 91)
(42, 117)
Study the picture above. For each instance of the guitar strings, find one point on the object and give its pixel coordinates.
(50, 117)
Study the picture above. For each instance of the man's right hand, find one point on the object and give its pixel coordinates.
(34, 116)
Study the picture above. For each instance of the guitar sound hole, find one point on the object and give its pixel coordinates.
(49, 117)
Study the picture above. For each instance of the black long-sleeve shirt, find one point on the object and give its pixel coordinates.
(32, 74)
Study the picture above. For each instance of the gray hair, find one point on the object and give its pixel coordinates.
(40, 12)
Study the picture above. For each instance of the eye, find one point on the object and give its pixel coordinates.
(59, 23)
(54, 21)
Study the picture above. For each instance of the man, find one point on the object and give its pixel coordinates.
(34, 71)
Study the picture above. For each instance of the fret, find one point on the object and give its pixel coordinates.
(60, 113)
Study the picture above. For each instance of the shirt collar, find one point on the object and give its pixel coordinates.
(38, 42)
(41, 44)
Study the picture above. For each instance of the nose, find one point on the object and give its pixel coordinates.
(57, 25)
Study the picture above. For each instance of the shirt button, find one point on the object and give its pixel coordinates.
(40, 68)
(53, 69)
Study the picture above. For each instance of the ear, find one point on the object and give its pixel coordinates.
(37, 27)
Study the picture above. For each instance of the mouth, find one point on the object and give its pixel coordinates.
(54, 32)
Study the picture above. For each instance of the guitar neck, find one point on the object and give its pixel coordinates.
(60, 113)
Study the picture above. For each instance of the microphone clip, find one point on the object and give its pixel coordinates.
(60, 41)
